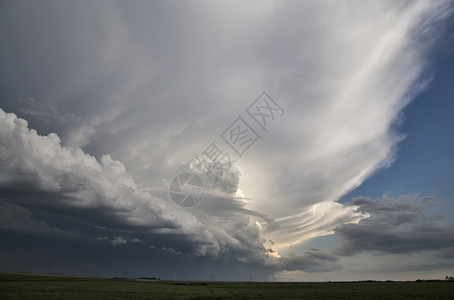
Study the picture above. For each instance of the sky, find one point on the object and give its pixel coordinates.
(248, 140)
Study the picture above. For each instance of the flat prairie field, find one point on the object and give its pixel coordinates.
(28, 286)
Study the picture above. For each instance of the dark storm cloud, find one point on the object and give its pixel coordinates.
(447, 253)
(37, 172)
(18, 219)
(311, 262)
(395, 225)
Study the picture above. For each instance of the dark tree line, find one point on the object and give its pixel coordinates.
(447, 278)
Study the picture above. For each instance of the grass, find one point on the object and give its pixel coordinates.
(29, 286)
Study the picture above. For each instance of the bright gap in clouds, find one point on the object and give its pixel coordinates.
(138, 91)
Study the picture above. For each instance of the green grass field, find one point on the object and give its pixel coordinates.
(28, 286)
